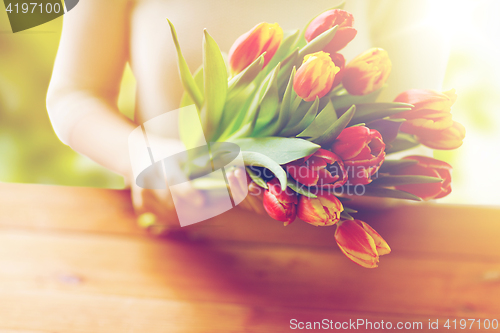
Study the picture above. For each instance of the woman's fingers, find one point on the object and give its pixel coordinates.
(182, 188)
(238, 190)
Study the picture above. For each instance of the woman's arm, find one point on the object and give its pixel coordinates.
(83, 92)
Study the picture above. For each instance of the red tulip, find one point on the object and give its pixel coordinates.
(264, 37)
(367, 72)
(362, 150)
(345, 32)
(427, 166)
(323, 168)
(360, 243)
(315, 76)
(321, 211)
(280, 205)
(430, 118)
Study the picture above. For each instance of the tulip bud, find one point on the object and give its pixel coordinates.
(449, 138)
(264, 37)
(315, 76)
(430, 118)
(424, 99)
(321, 211)
(360, 243)
(362, 150)
(345, 32)
(280, 205)
(367, 72)
(426, 166)
(323, 168)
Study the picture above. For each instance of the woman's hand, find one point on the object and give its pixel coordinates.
(155, 207)
(238, 180)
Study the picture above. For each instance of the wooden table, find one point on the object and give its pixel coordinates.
(73, 260)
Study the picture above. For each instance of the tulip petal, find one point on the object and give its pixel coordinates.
(324, 210)
(356, 243)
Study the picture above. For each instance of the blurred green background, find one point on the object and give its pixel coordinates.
(31, 152)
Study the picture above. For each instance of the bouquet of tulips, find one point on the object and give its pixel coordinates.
(310, 129)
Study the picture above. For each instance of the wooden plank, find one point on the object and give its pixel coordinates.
(418, 228)
(434, 228)
(256, 275)
(66, 208)
(72, 260)
(70, 313)
(19, 331)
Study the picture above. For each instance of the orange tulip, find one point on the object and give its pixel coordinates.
(360, 243)
(315, 76)
(449, 138)
(367, 72)
(430, 118)
(321, 211)
(345, 32)
(264, 37)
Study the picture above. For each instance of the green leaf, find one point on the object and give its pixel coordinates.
(403, 180)
(341, 98)
(285, 111)
(388, 193)
(300, 189)
(392, 165)
(287, 45)
(295, 106)
(286, 68)
(372, 111)
(186, 78)
(252, 112)
(280, 150)
(403, 141)
(334, 130)
(321, 123)
(388, 128)
(306, 120)
(252, 158)
(317, 44)
(245, 77)
(257, 180)
(298, 112)
(269, 106)
(185, 118)
(263, 89)
(198, 79)
(286, 105)
(237, 107)
(215, 77)
(350, 210)
(345, 215)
